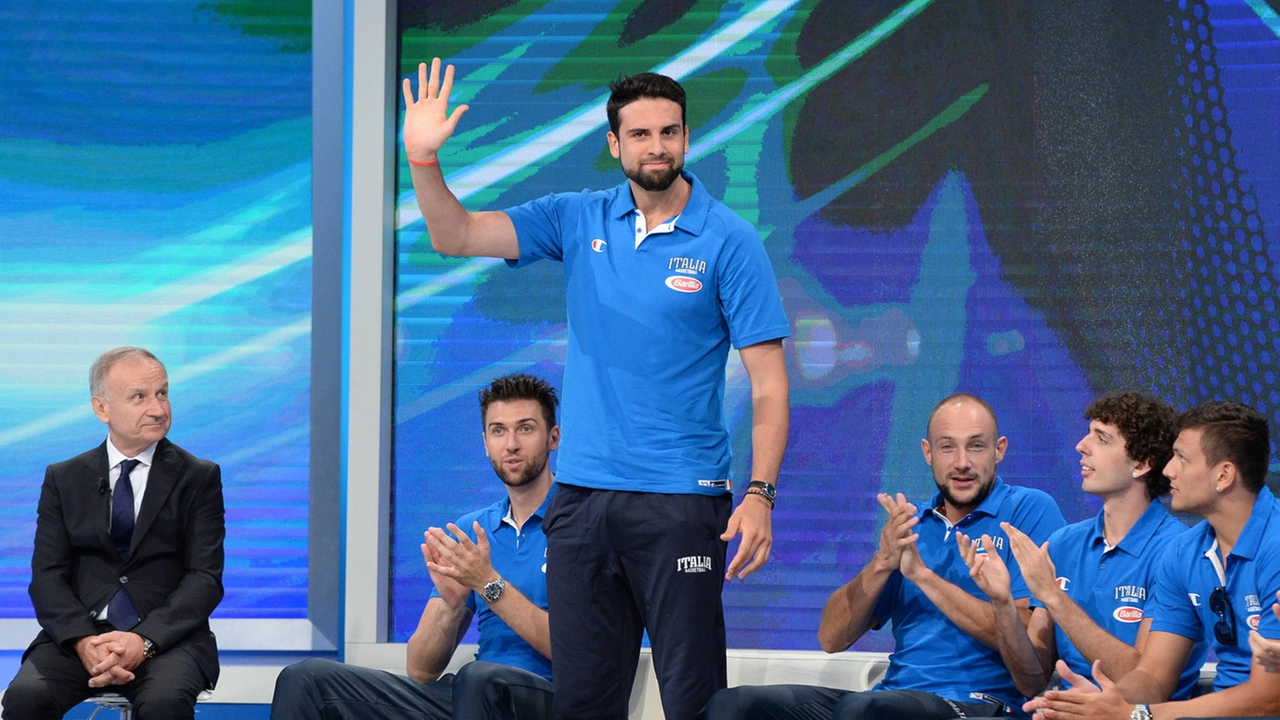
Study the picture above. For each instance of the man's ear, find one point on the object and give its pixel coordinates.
(928, 452)
(1002, 444)
(613, 145)
(553, 438)
(1227, 475)
(100, 408)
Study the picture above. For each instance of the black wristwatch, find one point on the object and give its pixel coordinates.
(765, 490)
(492, 592)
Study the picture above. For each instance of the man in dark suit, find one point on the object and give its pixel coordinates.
(128, 560)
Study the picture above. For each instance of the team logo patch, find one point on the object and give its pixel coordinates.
(1128, 614)
(598, 245)
(683, 284)
(1063, 582)
(694, 564)
(1254, 620)
(688, 266)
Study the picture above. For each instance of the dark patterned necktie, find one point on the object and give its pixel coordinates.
(120, 611)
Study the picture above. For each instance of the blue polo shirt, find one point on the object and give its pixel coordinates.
(520, 557)
(931, 653)
(1116, 586)
(650, 325)
(1187, 577)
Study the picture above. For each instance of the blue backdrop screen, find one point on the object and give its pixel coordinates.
(1036, 202)
(155, 190)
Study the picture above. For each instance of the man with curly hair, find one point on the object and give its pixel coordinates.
(1210, 584)
(1093, 581)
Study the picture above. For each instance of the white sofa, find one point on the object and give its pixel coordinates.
(849, 670)
(254, 684)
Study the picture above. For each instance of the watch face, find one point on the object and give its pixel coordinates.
(493, 590)
(770, 491)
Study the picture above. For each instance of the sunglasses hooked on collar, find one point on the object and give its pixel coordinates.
(1225, 629)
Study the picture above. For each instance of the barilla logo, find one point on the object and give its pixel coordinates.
(679, 283)
(598, 245)
(1127, 614)
(1254, 620)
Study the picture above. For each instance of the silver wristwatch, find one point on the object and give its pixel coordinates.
(1140, 712)
(493, 591)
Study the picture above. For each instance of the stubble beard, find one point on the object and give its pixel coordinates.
(531, 472)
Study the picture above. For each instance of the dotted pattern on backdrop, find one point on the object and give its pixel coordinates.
(1227, 280)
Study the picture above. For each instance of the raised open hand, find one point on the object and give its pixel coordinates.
(427, 120)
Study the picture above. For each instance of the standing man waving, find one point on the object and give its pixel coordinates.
(660, 280)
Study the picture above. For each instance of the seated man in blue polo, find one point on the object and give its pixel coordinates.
(945, 662)
(1093, 587)
(1212, 583)
(496, 573)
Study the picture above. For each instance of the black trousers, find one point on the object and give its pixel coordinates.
(805, 702)
(52, 680)
(320, 689)
(620, 563)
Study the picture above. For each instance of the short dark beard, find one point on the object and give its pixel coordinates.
(654, 183)
(983, 493)
(531, 472)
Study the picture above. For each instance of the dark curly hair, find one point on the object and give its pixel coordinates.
(1234, 432)
(626, 90)
(519, 386)
(1147, 426)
